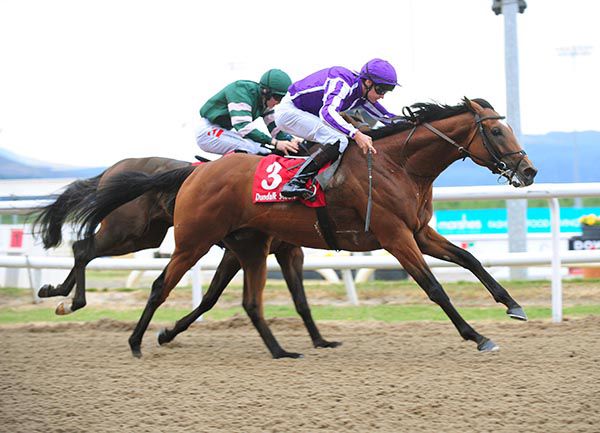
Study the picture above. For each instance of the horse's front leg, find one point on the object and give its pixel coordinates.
(181, 261)
(404, 247)
(291, 260)
(433, 244)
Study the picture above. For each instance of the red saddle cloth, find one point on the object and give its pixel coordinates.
(275, 171)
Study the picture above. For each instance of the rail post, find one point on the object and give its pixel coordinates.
(556, 262)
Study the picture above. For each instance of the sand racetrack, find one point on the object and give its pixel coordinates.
(219, 377)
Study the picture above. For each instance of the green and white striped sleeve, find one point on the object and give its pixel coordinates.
(239, 104)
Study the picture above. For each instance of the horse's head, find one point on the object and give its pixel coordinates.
(495, 146)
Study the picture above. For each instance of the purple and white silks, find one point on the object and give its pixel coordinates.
(330, 91)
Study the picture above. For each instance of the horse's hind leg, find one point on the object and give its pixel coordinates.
(83, 253)
(432, 243)
(49, 291)
(181, 262)
(254, 262)
(113, 239)
(226, 270)
(80, 248)
(291, 259)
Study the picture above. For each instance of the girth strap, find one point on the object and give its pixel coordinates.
(326, 231)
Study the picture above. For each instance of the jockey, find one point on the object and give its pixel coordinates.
(226, 118)
(312, 108)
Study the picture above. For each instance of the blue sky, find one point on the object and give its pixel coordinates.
(92, 82)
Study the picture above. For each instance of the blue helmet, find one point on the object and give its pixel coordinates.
(380, 72)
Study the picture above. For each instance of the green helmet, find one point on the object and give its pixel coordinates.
(276, 80)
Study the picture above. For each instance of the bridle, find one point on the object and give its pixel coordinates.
(495, 164)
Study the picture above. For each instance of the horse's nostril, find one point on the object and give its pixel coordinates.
(530, 172)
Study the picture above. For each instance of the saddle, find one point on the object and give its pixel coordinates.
(275, 171)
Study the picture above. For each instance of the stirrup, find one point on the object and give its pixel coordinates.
(311, 196)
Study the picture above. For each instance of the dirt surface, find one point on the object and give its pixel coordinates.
(218, 377)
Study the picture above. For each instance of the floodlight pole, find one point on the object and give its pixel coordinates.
(573, 52)
(516, 209)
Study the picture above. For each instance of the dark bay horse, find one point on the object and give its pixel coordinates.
(137, 225)
(143, 223)
(216, 201)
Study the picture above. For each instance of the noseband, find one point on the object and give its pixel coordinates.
(496, 163)
(497, 156)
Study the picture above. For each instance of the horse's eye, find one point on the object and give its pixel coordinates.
(496, 131)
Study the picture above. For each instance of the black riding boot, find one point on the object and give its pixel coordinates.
(296, 187)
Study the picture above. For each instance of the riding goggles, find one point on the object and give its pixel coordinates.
(382, 89)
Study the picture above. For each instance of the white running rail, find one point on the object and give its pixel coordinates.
(551, 192)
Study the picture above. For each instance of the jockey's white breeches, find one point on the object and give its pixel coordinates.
(303, 124)
(215, 139)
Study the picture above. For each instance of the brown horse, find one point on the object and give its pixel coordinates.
(143, 223)
(216, 201)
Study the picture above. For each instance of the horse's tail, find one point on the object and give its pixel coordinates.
(49, 221)
(121, 189)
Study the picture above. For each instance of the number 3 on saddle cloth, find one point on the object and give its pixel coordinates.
(275, 171)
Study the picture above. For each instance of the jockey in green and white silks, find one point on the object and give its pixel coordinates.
(226, 118)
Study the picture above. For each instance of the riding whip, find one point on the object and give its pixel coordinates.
(370, 198)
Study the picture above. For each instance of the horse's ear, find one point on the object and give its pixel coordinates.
(468, 104)
(472, 105)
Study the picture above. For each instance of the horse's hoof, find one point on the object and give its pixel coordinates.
(487, 345)
(137, 353)
(285, 354)
(62, 309)
(44, 291)
(517, 313)
(163, 337)
(325, 343)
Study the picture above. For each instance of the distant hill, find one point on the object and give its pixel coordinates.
(13, 170)
(553, 154)
(14, 166)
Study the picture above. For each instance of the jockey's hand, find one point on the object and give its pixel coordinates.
(364, 142)
(288, 147)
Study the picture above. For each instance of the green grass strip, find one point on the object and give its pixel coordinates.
(384, 313)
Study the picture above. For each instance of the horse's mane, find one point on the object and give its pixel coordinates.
(426, 112)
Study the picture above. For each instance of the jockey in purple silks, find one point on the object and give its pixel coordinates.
(312, 108)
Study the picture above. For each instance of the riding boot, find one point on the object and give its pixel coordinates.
(296, 187)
